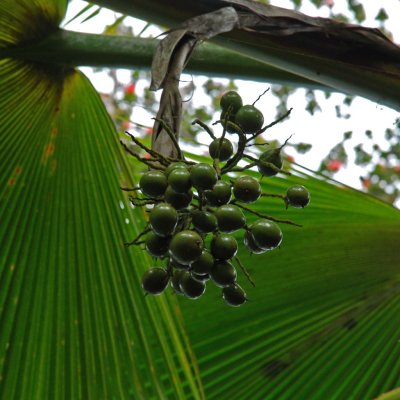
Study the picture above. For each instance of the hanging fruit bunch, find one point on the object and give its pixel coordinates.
(196, 207)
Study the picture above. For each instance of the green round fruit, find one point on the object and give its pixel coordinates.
(250, 119)
(204, 221)
(229, 127)
(174, 165)
(155, 280)
(163, 219)
(231, 100)
(179, 180)
(203, 264)
(266, 234)
(191, 288)
(298, 196)
(223, 152)
(153, 183)
(249, 242)
(223, 273)
(247, 189)
(203, 176)
(234, 295)
(186, 247)
(174, 264)
(230, 218)
(223, 246)
(272, 156)
(178, 200)
(219, 195)
(175, 281)
(157, 246)
(200, 277)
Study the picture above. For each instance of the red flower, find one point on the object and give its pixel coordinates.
(334, 165)
(126, 125)
(290, 158)
(149, 131)
(365, 182)
(130, 89)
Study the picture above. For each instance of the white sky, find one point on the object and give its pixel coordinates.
(323, 129)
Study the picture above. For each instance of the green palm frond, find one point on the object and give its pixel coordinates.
(323, 321)
(74, 321)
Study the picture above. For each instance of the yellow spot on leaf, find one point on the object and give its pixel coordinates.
(17, 171)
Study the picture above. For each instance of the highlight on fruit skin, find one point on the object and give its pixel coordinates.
(203, 264)
(179, 180)
(221, 148)
(272, 156)
(223, 273)
(175, 281)
(163, 219)
(153, 183)
(157, 246)
(190, 287)
(186, 246)
(178, 200)
(219, 194)
(234, 295)
(231, 100)
(249, 242)
(250, 119)
(266, 234)
(246, 189)
(200, 277)
(223, 246)
(155, 280)
(298, 196)
(203, 176)
(204, 221)
(230, 218)
(174, 165)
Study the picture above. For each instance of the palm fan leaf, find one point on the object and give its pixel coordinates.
(323, 321)
(74, 321)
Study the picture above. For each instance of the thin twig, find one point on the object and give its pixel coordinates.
(205, 127)
(285, 142)
(240, 151)
(283, 221)
(257, 144)
(137, 202)
(261, 95)
(125, 189)
(141, 159)
(153, 153)
(244, 270)
(136, 240)
(270, 125)
(280, 196)
(241, 169)
(266, 164)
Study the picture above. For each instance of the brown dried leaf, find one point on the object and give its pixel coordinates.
(169, 60)
(344, 42)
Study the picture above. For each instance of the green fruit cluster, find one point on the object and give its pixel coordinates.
(190, 227)
(196, 208)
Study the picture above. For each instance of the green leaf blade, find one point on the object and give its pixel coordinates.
(323, 318)
(75, 322)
